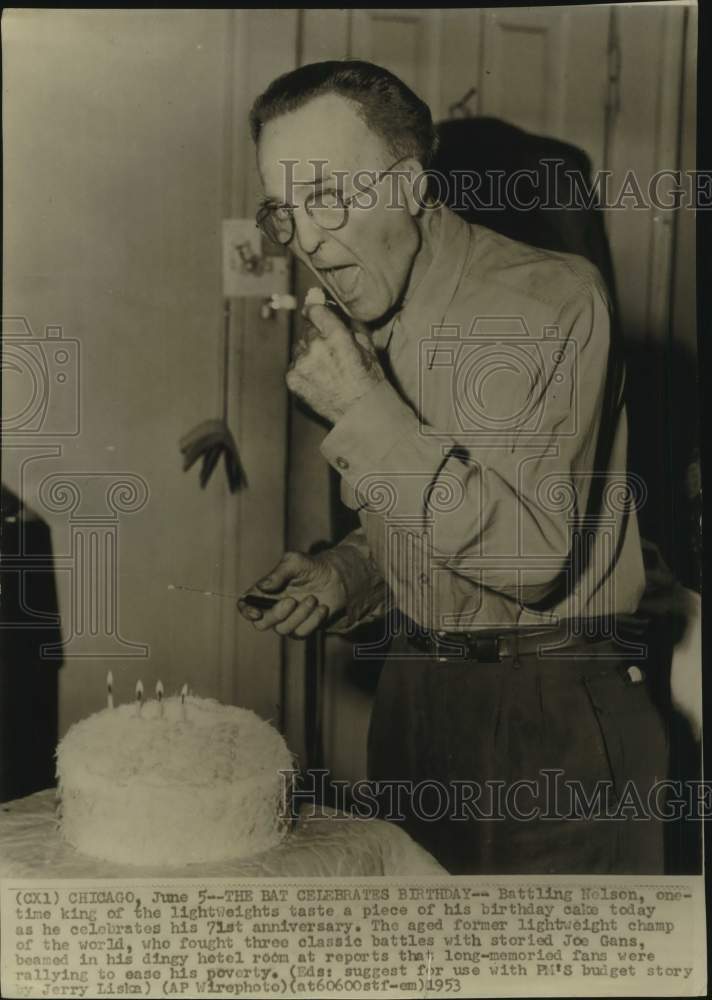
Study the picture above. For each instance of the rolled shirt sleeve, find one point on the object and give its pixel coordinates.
(367, 596)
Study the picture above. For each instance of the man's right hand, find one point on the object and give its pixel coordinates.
(309, 593)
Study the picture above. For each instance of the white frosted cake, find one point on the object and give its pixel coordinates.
(173, 783)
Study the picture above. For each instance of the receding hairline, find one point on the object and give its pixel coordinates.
(390, 109)
(354, 105)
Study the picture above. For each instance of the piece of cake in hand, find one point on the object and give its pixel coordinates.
(315, 297)
(173, 782)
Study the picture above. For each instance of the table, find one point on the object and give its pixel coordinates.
(328, 845)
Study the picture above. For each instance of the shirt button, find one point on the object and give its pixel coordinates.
(342, 463)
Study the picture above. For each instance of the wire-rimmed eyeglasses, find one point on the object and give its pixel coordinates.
(329, 209)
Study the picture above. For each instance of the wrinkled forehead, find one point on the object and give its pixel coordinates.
(326, 139)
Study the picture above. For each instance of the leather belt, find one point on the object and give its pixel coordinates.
(493, 647)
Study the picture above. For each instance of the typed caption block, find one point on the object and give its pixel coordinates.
(353, 937)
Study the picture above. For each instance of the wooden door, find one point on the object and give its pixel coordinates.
(408, 43)
(545, 70)
(260, 45)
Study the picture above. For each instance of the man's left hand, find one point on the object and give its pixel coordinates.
(333, 367)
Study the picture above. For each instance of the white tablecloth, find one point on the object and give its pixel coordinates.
(330, 845)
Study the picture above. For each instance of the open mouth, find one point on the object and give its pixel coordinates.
(343, 280)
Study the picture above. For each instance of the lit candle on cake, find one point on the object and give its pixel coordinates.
(110, 690)
(159, 696)
(139, 696)
(183, 693)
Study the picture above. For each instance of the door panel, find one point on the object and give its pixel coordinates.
(263, 46)
(523, 67)
(545, 70)
(325, 35)
(404, 41)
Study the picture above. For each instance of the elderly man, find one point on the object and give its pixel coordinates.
(465, 376)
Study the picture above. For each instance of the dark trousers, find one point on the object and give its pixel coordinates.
(510, 767)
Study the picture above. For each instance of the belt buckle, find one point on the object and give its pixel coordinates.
(488, 650)
(443, 650)
(478, 650)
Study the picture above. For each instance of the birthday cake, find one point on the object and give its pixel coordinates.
(174, 781)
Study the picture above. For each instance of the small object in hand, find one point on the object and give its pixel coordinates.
(257, 601)
(315, 297)
(197, 590)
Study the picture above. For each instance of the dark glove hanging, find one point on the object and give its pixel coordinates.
(209, 441)
(213, 438)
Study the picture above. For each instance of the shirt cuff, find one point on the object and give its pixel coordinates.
(367, 433)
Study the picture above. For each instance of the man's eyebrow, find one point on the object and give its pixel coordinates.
(267, 202)
(318, 182)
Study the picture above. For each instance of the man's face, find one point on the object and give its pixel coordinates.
(367, 262)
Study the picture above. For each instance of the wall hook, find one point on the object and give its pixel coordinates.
(461, 108)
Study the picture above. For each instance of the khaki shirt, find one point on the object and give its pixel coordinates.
(472, 466)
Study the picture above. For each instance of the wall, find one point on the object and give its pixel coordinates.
(653, 254)
(118, 171)
(126, 143)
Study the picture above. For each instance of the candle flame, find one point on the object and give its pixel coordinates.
(110, 690)
(159, 690)
(139, 697)
(183, 693)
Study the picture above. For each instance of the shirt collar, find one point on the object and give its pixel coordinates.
(426, 305)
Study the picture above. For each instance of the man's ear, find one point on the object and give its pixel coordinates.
(413, 185)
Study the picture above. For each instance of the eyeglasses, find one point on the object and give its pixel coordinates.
(328, 209)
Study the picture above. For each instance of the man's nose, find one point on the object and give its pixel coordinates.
(309, 236)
